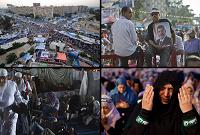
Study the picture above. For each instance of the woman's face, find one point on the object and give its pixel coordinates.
(106, 110)
(121, 88)
(165, 93)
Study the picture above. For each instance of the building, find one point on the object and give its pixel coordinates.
(46, 11)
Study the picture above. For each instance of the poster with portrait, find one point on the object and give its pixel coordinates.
(162, 34)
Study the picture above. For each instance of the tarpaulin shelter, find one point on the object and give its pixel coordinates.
(61, 57)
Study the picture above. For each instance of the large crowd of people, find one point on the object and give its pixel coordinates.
(150, 101)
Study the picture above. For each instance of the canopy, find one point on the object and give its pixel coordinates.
(40, 47)
(39, 39)
(26, 57)
(44, 54)
(61, 56)
(58, 44)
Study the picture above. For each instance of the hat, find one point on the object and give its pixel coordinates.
(155, 10)
(3, 72)
(18, 74)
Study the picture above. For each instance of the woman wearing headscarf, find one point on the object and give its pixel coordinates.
(123, 98)
(166, 109)
(110, 117)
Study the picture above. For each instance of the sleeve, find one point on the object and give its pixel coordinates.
(57, 105)
(29, 87)
(132, 32)
(140, 123)
(150, 35)
(18, 97)
(198, 46)
(117, 130)
(191, 122)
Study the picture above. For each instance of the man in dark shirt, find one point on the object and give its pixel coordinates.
(154, 48)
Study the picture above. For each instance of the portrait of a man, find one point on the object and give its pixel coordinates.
(162, 34)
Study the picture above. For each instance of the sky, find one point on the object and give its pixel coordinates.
(90, 3)
(194, 4)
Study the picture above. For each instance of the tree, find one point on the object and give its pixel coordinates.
(179, 12)
(31, 51)
(22, 54)
(11, 57)
(138, 4)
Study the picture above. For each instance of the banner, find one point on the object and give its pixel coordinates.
(109, 15)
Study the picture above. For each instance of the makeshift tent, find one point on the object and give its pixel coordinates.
(53, 45)
(61, 57)
(39, 39)
(40, 47)
(26, 57)
(43, 54)
(87, 82)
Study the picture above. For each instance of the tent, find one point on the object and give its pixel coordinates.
(59, 44)
(61, 57)
(43, 54)
(40, 47)
(39, 39)
(26, 57)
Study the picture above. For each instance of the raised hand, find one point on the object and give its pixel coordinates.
(147, 100)
(185, 100)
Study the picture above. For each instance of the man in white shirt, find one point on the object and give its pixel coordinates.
(23, 86)
(8, 95)
(125, 37)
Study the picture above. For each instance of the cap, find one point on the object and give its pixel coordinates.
(18, 74)
(3, 72)
(155, 10)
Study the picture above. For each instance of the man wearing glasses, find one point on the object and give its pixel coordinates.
(154, 47)
(125, 37)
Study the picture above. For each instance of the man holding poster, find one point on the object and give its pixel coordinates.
(160, 38)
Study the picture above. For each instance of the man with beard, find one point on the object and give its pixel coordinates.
(166, 109)
(8, 95)
(25, 89)
(23, 85)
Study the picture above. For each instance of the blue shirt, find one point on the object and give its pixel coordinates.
(192, 46)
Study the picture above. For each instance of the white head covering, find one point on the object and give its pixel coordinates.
(3, 72)
(155, 10)
(18, 74)
(113, 115)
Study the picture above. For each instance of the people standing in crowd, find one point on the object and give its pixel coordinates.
(125, 38)
(163, 50)
(9, 94)
(23, 85)
(192, 46)
(179, 49)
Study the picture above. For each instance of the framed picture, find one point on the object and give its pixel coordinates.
(162, 34)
